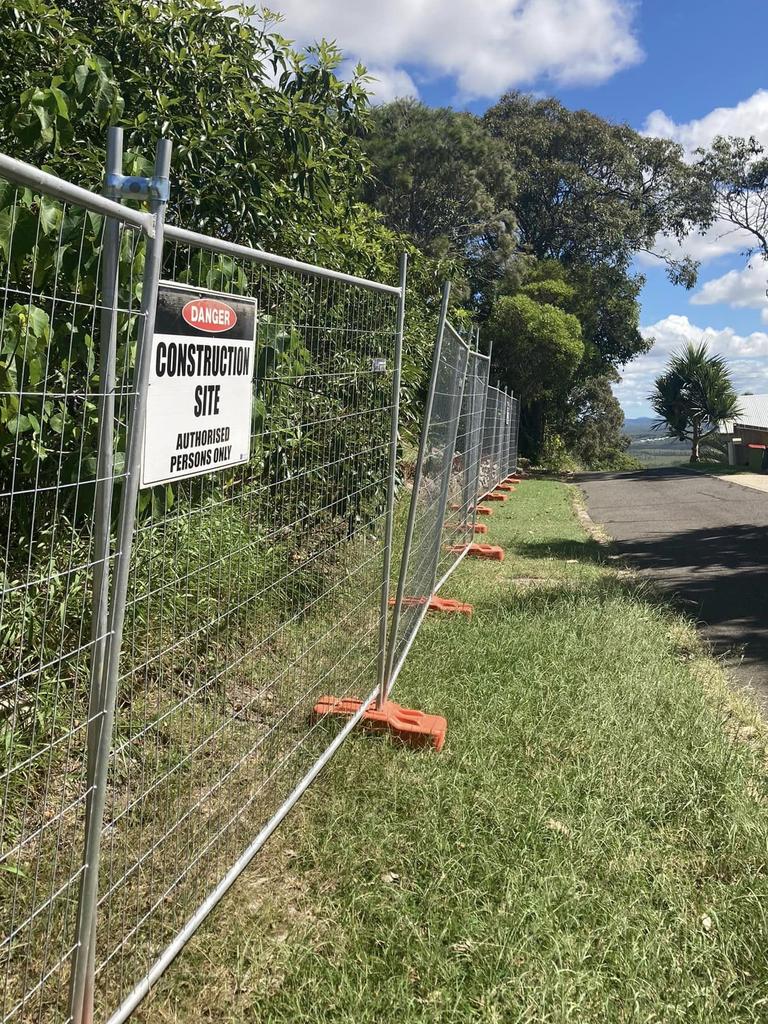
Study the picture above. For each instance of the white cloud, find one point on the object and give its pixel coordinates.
(750, 117)
(722, 239)
(486, 45)
(738, 288)
(747, 357)
(390, 84)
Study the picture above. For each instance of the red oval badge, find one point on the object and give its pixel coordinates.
(209, 315)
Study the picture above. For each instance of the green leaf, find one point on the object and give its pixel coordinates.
(50, 215)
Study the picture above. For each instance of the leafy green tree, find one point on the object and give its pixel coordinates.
(439, 177)
(593, 422)
(591, 192)
(585, 415)
(694, 395)
(536, 350)
(605, 300)
(536, 346)
(266, 147)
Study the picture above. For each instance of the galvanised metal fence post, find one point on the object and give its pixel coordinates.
(102, 509)
(82, 987)
(470, 467)
(513, 436)
(418, 472)
(503, 433)
(390, 521)
(486, 387)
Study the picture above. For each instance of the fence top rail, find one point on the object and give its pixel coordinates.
(19, 173)
(175, 234)
(466, 344)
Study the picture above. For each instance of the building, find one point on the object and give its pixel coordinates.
(747, 433)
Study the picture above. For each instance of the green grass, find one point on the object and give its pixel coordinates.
(590, 846)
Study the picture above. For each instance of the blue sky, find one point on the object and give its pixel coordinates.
(679, 68)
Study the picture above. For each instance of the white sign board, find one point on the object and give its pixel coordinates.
(198, 416)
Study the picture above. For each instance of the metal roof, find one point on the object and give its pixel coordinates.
(753, 413)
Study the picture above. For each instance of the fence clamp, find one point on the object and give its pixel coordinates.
(128, 186)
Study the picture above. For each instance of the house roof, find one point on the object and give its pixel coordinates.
(754, 413)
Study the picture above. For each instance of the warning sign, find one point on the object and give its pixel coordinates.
(200, 384)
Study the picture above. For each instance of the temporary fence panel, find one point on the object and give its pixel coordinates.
(490, 463)
(459, 520)
(241, 594)
(66, 331)
(436, 469)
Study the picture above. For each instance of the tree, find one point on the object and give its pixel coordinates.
(536, 350)
(593, 422)
(733, 176)
(591, 192)
(439, 177)
(694, 395)
(266, 140)
(605, 300)
(266, 152)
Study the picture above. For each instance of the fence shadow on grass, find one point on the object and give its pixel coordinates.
(716, 576)
(587, 550)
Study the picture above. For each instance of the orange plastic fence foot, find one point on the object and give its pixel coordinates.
(412, 727)
(483, 511)
(446, 605)
(491, 551)
(494, 496)
(514, 479)
(474, 527)
(504, 486)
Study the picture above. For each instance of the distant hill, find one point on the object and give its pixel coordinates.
(639, 425)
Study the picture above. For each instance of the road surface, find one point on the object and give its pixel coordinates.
(703, 539)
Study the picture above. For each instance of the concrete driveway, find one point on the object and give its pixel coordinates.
(703, 539)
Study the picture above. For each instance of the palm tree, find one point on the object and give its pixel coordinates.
(694, 395)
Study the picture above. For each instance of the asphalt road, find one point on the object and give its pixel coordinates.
(703, 540)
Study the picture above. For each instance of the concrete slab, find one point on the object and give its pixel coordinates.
(757, 481)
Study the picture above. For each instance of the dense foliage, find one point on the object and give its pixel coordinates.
(440, 178)
(588, 191)
(266, 151)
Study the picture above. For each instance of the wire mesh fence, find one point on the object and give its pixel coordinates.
(514, 432)
(249, 591)
(439, 470)
(232, 638)
(491, 469)
(506, 436)
(58, 263)
(178, 596)
(459, 517)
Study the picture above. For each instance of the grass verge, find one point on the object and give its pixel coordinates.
(590, 846)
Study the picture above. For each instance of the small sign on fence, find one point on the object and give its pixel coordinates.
(198, 415)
